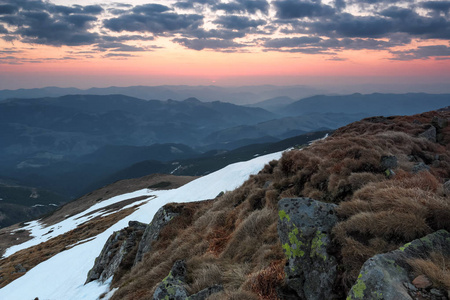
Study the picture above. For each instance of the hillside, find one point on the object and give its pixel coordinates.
(386, 179)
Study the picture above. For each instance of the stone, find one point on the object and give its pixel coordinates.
(384, 275)
(117, 247)
(429, 134)
(439, 123)
(152, 230)
(389, 162)
(172, 287)
(420, 167)
(19, 269)
(205, 293)
(421, 282)
(446, 188)
(304, 228)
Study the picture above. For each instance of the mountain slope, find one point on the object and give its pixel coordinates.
(372, 104)
(79, 259)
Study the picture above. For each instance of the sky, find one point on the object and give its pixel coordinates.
(89, 43)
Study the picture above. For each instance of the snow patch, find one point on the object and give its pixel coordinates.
(63, 275)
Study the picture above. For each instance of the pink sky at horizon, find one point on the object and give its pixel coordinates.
(249, 61)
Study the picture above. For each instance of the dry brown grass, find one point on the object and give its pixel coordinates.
(233, 240)
(436, 268)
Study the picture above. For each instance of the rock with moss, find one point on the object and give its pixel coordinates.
(152, 231)
(390, 275)
(173, 286)
(304, 228)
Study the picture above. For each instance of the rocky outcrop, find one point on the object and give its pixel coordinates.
(304, 228)
(173, 286)
(152, 231)
(389, 275)
(130, 243)
(119, 245)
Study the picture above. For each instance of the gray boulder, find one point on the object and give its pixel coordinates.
(304, 229)
(152, 230)
(419, 167)
(429, 134)
(116, 248)
(446, 188)
(389, 162)
(389, 276)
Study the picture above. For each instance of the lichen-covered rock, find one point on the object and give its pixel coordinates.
(389, 276)
(152, 231)
(172, 287)
(116, 248)
(304, 229)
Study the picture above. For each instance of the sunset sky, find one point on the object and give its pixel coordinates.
(91, 43)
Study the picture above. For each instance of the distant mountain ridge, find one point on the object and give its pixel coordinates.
(237, 95)
(372, 104)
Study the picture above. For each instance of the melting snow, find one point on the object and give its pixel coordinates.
(63, 275)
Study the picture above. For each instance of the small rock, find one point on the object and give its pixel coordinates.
(422, 282)
(419, 167)
(389, 173)
(20, 269)
(446, 188)
(389, 162)
(429, 134)
(436, 292)
(410, 286)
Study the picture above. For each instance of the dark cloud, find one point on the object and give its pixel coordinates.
(224, 34)
(238, 22)
(149, 9)
(118, 47)
(124, 38)
(442, 6)
(118, 55)
(292, 9)
(200, 44)
(250, 6)
(153, 18)
(291, 42)
(423, 52)
(7, 9)
(192, 3)
(42, 22)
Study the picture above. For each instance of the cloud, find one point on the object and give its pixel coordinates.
(291, 42)
(3, 30)
(238, 22)
(423, 52)
(153, 18)
(45, 23)
(249, 6)
(118, 47)
(200, 44)
(290, 9)
(7, 9)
